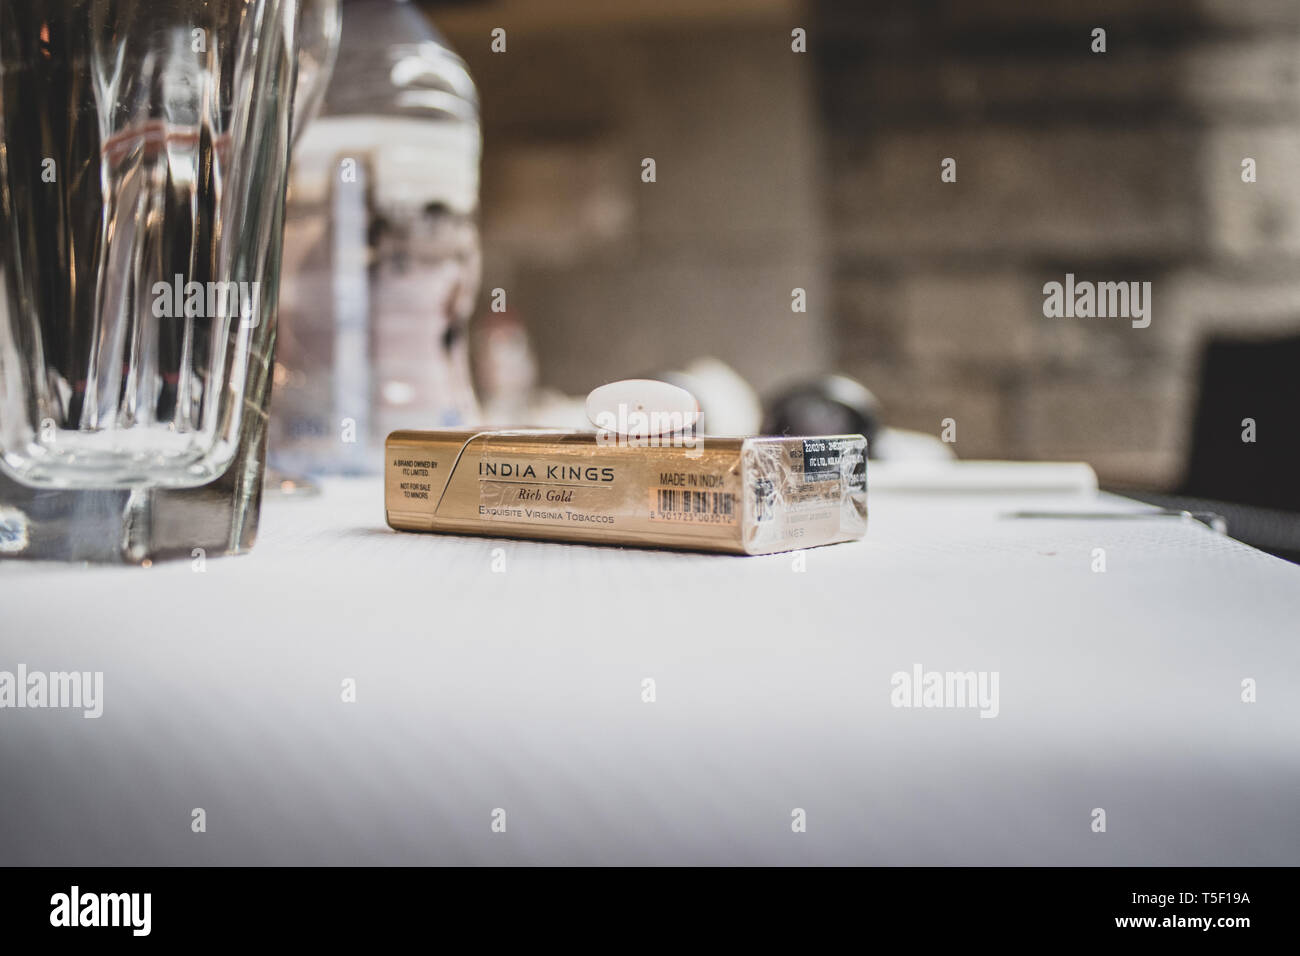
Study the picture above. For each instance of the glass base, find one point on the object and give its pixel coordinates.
(129, 526)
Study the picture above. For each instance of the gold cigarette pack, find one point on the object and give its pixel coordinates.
(739, 495)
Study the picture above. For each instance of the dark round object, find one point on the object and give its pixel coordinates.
(826, 405)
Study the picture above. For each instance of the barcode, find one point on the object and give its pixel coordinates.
(680, 501)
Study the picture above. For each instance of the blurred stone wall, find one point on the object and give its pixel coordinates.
(618, 277)
(822, 170)
(1122, 165)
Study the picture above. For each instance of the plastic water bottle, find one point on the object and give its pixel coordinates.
(381, 254)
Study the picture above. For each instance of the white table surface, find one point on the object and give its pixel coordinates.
(521, 689)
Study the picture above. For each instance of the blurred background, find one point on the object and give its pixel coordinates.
(778, 170)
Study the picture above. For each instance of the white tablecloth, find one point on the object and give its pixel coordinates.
(503, 675)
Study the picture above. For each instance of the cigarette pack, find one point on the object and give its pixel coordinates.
(739, 495)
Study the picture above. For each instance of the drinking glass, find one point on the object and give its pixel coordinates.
(144, 149)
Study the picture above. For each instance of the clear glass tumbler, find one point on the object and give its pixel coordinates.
(144, 150)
